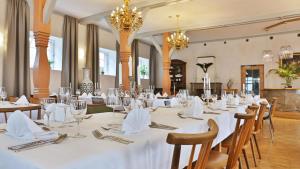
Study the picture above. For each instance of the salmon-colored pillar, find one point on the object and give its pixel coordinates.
(166, 82)
(125, 53)
(41, 69)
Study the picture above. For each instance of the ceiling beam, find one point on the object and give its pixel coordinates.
(48, 9)
(141, 6)
(229, 24)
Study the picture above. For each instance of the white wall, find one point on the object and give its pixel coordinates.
(230, 57)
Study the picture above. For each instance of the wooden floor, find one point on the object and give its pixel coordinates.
(284, 152)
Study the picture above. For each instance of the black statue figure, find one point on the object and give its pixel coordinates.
(204, 66)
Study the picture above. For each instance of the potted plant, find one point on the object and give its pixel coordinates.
(143, 71)
(289, 72)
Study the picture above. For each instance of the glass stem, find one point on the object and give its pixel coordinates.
(48, 119)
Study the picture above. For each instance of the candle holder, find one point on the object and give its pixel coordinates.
(206, 88)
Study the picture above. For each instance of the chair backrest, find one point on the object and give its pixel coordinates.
(34, 100)
(240, 136)
(12, 98)
(260, 116)
(254, 108)
(205, 139)
(273, 105)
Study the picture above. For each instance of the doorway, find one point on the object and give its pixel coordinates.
(253, 78)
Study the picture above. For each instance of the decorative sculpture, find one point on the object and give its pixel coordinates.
(204, 66)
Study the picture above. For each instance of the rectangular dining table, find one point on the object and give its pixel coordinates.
(149, 150)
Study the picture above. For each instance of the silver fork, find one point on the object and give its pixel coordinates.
(97, 134)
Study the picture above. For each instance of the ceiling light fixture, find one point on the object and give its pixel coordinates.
(178, 39)
(126, 19)
(286, 52)
(268, 55)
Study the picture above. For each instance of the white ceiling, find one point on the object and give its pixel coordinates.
(196, 15)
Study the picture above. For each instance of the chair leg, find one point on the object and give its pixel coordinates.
(240, 163)
(253, 154)
(271, 123)
(246, 159)
(257, 147)
(5, 117)
(271, 131)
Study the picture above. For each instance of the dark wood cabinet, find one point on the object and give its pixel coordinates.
(197, 89)
(178, 75)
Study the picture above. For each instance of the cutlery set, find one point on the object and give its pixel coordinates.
(161, 126)
(36, 144)
(97, 134)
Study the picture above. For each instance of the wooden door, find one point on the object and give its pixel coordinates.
(253, 78)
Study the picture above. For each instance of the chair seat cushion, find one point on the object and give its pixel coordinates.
(217, 160)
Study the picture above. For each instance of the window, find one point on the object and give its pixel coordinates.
(54, 52)
(144, 68)
(107, 62)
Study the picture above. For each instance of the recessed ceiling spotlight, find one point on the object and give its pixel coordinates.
(225, 42)
(247, 40)
(298, 34)
(205, 44)
(271, 37)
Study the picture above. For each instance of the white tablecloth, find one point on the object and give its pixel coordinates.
(149, 150)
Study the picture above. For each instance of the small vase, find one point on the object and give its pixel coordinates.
(86, 85)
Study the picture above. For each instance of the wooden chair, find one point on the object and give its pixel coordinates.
(219, 160)
(269, 115)
(249, 143)
(12, 98)
(205, 139)
(258, 125)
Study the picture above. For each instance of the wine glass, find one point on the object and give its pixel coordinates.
(214, 98)
(64, 98)
(45, 103)
(3, 94)
(78, 110)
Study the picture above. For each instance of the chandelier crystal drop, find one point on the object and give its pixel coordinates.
(126, 19)
(286, 52)
(178, 39)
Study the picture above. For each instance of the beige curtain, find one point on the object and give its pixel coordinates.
(117, 64)
(92, 52)
(135, 58)
(70, 53)
(152, 73)
(16, 73)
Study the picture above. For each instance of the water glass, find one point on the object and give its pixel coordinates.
(78, 110)
(64, 98)
(45, 103)
(214, 98)
(3, 93)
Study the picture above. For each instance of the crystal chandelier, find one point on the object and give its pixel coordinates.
(268, 55)
(125, 18)
(286, 52)
(178, 39)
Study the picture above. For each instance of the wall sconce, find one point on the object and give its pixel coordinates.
(81, 53)
(1, 39)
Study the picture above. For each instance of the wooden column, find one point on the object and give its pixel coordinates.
(166, 82)
(41, 70)
(125, 53)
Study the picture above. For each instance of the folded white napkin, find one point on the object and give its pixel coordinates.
(157, 95)
(58, 113)
(103, 95)
(249, 99)
(21, 127)
(136, 121)
(158, 103)
(22, 101)
(196, 108)
(165, 95)
(237, 100)
(89, 95)
(135, 104)
(174, 102)
(220, 104)
(256, 99)
(84, 95)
